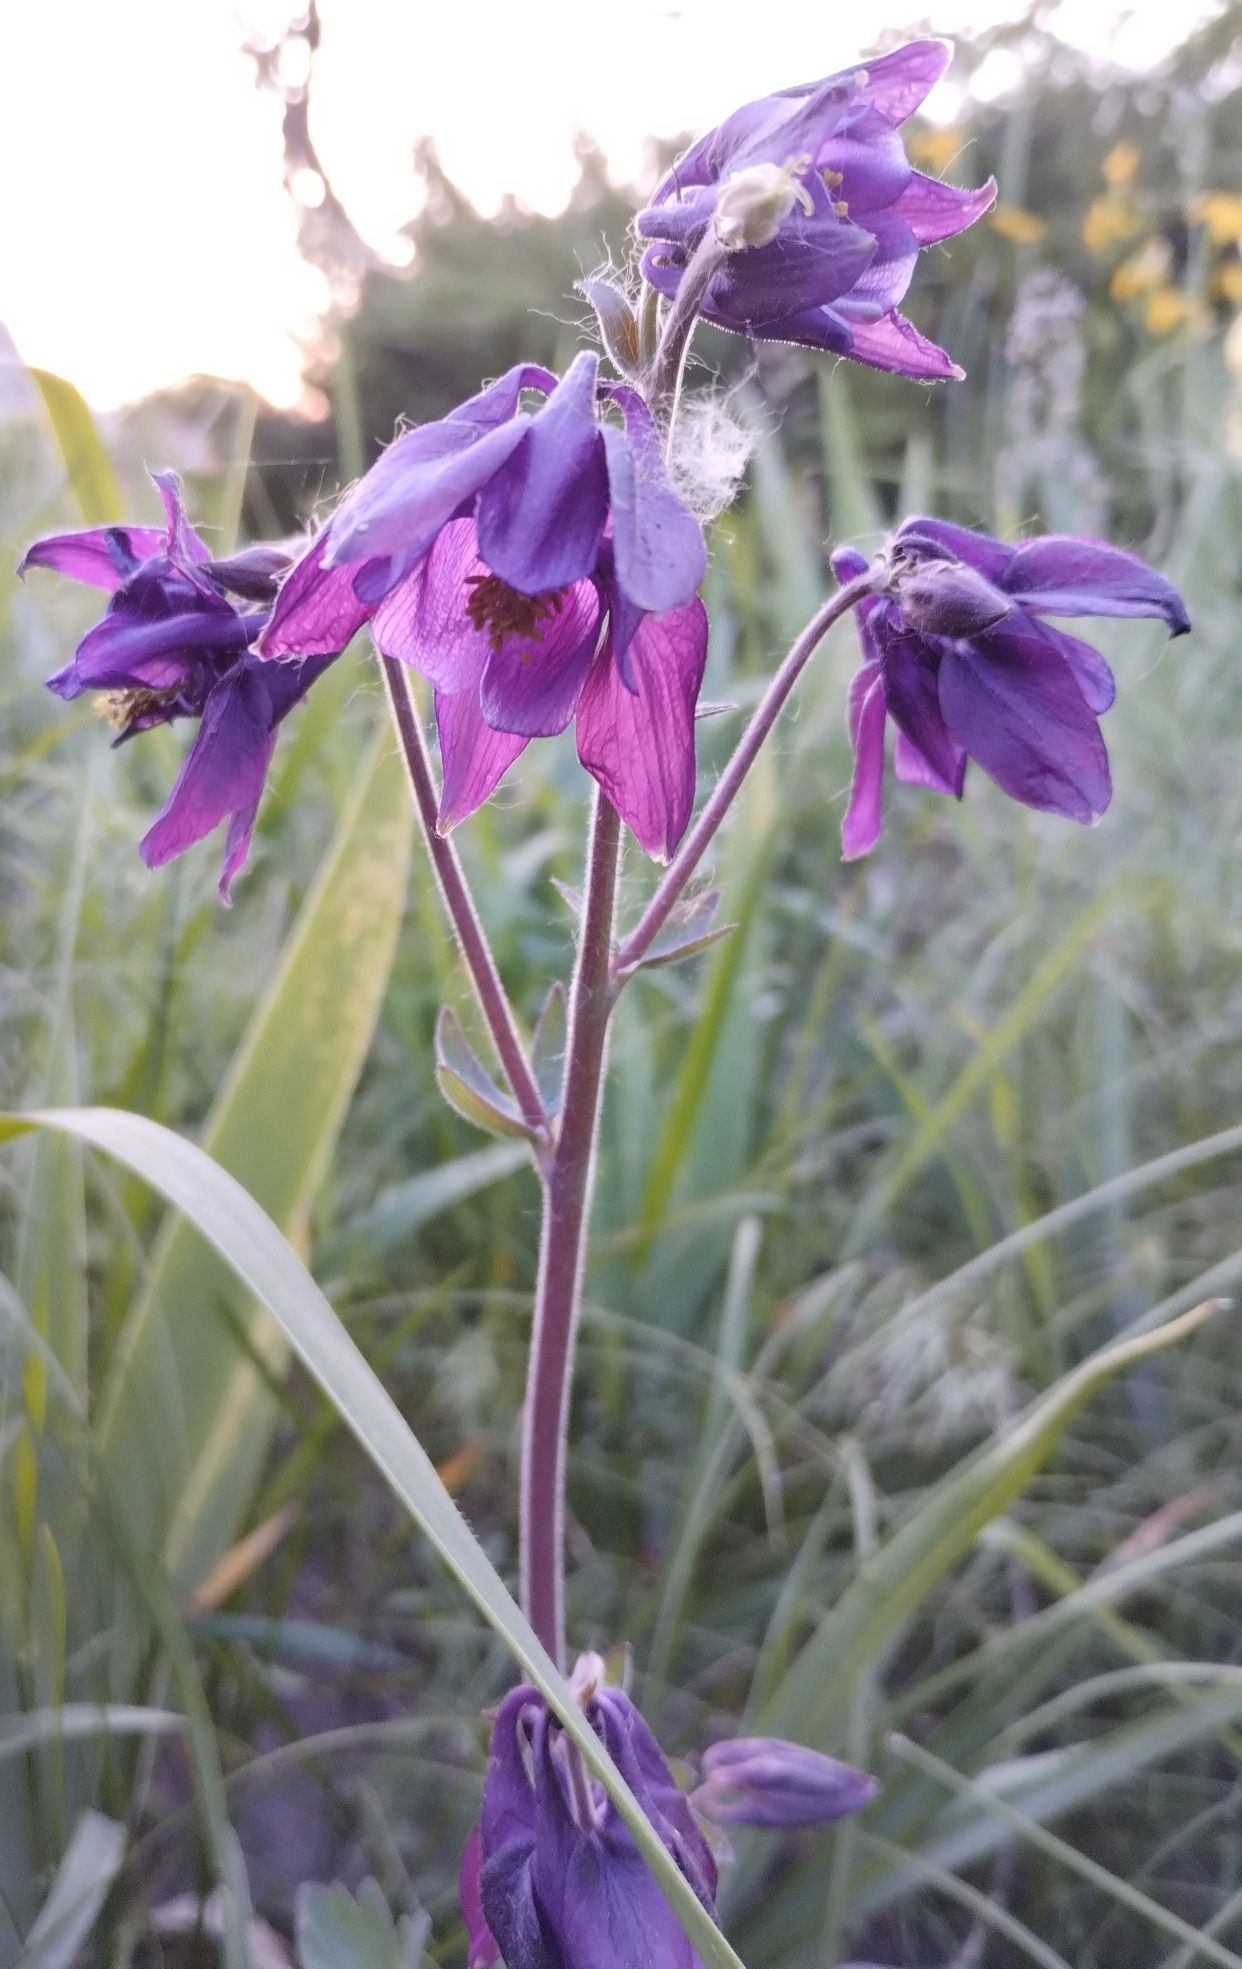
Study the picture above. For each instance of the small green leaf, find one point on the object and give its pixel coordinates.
(547, 1050)
(468, 1087)
(339, 1930)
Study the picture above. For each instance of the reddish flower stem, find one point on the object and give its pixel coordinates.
(459, 904)
(697, 842)
(568, 1183)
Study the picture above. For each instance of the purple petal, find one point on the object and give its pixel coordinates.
(541, 516)
(896, 84)
(987, 556)
(1061, 575)
(847, 564)
(124, 652)
(1012, 701)
(885, 280)
(498, 401)
(894, 344)
(482, 1943)
(185, 549)
(658, 549)
(766, 1781)
(868, 715)
(473, 756)
(317, 612)
(639, 744)
(1092, 675)
(417, 485)
(222, 775)
(871, 161)
(102, 556)
(531, 684)
(914, 770)
(910, 685)
(509, 1827)
(935, 211)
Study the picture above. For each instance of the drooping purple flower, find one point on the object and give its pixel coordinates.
(766, 1781)
(556, 1881)
(841, 214)
(535, 566)
(173, 643)
(956, 651)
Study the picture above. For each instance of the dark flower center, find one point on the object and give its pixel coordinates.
(506, 613)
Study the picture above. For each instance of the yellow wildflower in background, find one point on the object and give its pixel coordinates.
(1221, 213)
(935, 150)
(1227, 282)
(1120, 165)
(1149, 267)
(1016, 223)
(1168, 309)
(1108, 221)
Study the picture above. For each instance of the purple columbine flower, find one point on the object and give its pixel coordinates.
(957, 653)
(172, 644)
(552, 1878)
(536, 567)
(813, 191)
(766, 1781)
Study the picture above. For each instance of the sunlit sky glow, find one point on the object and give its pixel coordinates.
(145, 233)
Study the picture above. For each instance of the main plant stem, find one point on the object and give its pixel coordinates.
(727, 787)
(568, 1183)
(459, 903)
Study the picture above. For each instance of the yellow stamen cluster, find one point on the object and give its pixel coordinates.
(120, 708)
(506, 613)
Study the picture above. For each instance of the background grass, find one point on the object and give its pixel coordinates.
(822, 1279)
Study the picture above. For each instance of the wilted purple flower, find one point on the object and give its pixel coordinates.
(766, 1781)
(556, 1881)
(956, 652)
(816, 179)
(171, 644)
(533, 566)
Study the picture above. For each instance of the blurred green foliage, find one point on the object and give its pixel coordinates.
(836, 1285)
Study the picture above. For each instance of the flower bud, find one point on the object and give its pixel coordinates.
(947, 598)
(753, 204)
(765, 1781)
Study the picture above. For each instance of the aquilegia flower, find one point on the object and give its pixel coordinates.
(535, 566)
(957, 653)
(824, 215)
(172, 644)
(552, 1879)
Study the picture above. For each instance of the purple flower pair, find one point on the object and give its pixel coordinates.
(956, 651)
(175, 642)
(537, 567)
(838, 251)
(551, 1878)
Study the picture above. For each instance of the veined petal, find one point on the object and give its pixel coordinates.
(639, 744)
(531, 684)
(102, 556)
(222, 775)
(1012, 701)
(935, 211)
(423, 622)
(870, 159)
(415, 486)
(896, 84)
(124, 652)
(317, 612)
(474, 758)
(1062, 575)
(886, 278)
(542, 513)
(184, 547)
(868, 715)
(895, 344)
(658, 549)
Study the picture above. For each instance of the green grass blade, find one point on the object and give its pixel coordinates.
(249, 1242)
(187, 1413)
(92, 1859)
(91, 476)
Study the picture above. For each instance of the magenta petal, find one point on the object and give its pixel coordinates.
(222, 775)
(935, 211)
(185, 549)
(1012, 701)
(639, 744)
(532, 683)
(423, 621)
(868, 715)
(658, 548)
(914, 769)
(541, 516)
(102, 556)
(479, 1937)
(474, 758)
(317, 612)
(896, 84)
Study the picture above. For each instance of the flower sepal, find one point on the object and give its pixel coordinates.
(468, 1087)
(691, 928)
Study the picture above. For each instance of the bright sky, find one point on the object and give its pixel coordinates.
(145, 233)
